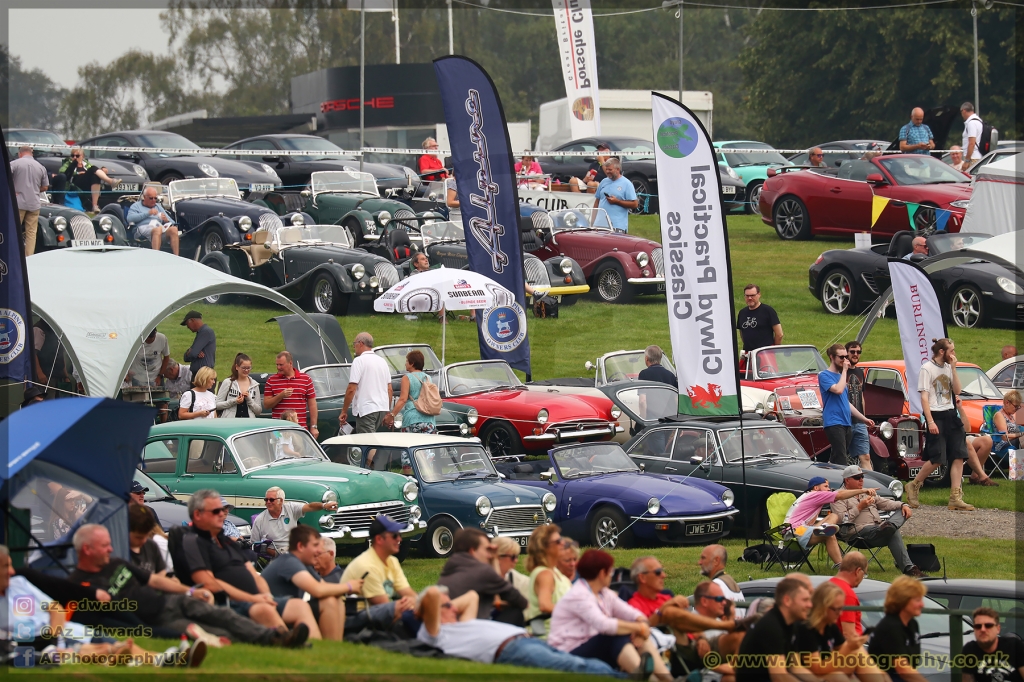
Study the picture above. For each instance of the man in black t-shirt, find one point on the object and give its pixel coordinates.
(144, 552)
(995, 658)
(860, 445)
(758, 323)
(655, 371)
(896, 641)
(161, 602)
(766, 649)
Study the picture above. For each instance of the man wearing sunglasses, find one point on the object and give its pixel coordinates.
(860, 443)
(863, 512)
(277, 520)
(84, 177)
(815, 158)
(837, 413)
(998, 658)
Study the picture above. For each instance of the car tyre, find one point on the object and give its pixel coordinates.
(925, 220)
(355, 233)
(966, 309)
(753, 197)
(437, 542)
(569, 300)
(643, 194)
(791, 220)
(838, 293)
(610, 284)
(501, 440)
(213, 240)
(608, 529)
(324, 296)
(216, 299)
(170, 177)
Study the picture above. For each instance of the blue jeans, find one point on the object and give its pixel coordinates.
(860, 443)
(533, 653)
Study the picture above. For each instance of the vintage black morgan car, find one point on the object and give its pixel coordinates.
(62, 226)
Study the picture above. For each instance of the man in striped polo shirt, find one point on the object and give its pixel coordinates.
(290, 389)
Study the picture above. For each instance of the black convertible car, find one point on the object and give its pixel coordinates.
(977, 288)
(179, 165)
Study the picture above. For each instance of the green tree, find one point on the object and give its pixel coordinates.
(36, 97)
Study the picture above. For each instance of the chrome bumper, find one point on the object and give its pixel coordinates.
(347, 536)
(554, 436)
(687, 519)
(646, 280)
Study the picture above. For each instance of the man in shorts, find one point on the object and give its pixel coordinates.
(860, 445)
(151, 221)
(946, 441)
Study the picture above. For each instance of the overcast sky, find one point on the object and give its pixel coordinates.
(105, 35)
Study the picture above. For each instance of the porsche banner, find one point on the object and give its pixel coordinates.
(919, 316)
(574, 23)
(15, 309)
(486, 187)
(698, 282)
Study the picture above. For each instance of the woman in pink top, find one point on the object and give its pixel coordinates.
(591, 621)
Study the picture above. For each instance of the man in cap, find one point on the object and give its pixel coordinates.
(803, 516)
(862, 510)
(203, 351)
(385, 586)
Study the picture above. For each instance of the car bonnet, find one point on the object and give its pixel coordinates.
(630, 489)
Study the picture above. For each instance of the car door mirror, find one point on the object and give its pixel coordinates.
(272, 159)
(697, 460)
(875, 179)
(643, 467)
(589, 159)
(771, 172)
(304, 194)
(502, 476)
(126, 156)
(548, 476)
(589, 365)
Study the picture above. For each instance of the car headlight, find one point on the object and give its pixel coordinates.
(1009, 286)
(463, 429)
(570, 219)
(59, 223)
(267, 169)
(327, 521)
(472, 416)
(642, 259)
(897, 488)
(384, 217)
(901, 450)
(244, 223)
(728, 497)
(549, 501)
(374, 282)
(565, 266)
(653, 506)
(358, 271)
(106, 223)
(542, 417)
(415, 513)
(329, 496)
(483, 506)
(298, 220)
(410, 491)
(616, 413)
(209, 170)
(886, 430)
(139, 170)
(731, 173)
(960, 203)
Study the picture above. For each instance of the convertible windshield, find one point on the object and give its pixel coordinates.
(442, 231)
(766, 158)
(629, 365)
(592, 459)
(943, 243)
(266, 447)
(784, 361)
(650, 402)
(793, 398)
(917, 169)
(395, 357)
(480, 376)
(973, 380)
(313, 144)
(203, 188)
(346, 182)
(580, 219)
(760, 442)
(35, 136)
(329, 381)
(332, 234)
(166, 141)
(453, 461)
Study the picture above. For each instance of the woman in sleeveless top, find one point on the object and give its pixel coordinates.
(239, 396)
(413, 421)
(1004, 421)
(547, 584)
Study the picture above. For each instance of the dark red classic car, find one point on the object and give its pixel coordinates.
(617, 266)
(802, 202)
(513, 420)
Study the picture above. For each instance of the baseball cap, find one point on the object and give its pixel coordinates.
(138, 488)
(816, 480)
(191, 315)
(227, 505)
(382, 523)
(852, 470)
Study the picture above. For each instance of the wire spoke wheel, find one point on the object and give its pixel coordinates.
(609, 284)
(213, 241)
(323, 296)
(836, 293)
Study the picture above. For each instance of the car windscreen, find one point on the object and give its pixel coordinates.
(977, 383)
(629, 365)
(943, 243)
(580, 219)
(347, 182)
(771, 441)
(916, 169)
(929, 624)
(332, 234)
(266, 447)
(315, 144)
(736, 159)
(593, 459)
(650, 402)
(483, 376)
(166, 141)
(785, 361)
(442, 231)
(34, 136)
(447, 462)
(155, 492)
(203, 188)
(329, 381)
(635, 146)
(395, 357)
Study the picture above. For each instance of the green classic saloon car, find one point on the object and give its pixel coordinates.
(242, 458)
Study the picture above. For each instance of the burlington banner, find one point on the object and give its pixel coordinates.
(919, 317)
(574, 23)
(698, 285)
(486, 187)
(15, 310)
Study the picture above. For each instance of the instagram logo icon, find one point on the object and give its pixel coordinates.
(24, 606)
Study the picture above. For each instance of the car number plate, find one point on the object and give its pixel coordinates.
(914, 471)
(127, 187)
(809, 400)
(728, 189)
(261, 187)
(523, 540)
(704, 528)
(661, 287)
(86, 242)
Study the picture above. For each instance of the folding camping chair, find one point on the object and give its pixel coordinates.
(847, 536)
(988, 428)
(783, 548)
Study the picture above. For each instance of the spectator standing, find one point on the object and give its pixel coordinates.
(470, 567)
(451, 193)
(77, 172)
(291, 389)
(654, 370)
(852, 571)
(758, 323)
(916, 137)
(569, 558)
(385, 588)
(712, 561)
(203, 351)
(896, 642)
(547, 584)
(815, 158)
(821, 641)
(369, 390)
(837, 413)
(151, 220)
(239, 396)
(919, 247)
(956, 156)
(616, 195)
(860, 443)
(200, 402)
(998, 658)
(276, 522)
(803, 515)
(326, 563)
(29, 179)
(765, 648)
(430, 165)
(151, 360)
(946, 441)
(595, 173)
(505, 564)
(973, 127)
(413, 421)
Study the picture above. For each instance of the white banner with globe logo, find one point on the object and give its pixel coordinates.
(696, 251)
(574, 23)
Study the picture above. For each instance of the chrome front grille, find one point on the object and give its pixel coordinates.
(567, 428)
(82, 227)
(536, 275)
(405, 218)
(869, 281)
(505, 519)
(541, 220)
(358, 516)
(269, 222)
(659, 262)
(387, 274)
(908, 434)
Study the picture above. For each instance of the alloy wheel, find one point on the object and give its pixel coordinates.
(607, 532)
(836, 293)
(789, 219)
(966, 308)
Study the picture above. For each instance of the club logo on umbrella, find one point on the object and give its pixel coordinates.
(12, 335)
(462, 284)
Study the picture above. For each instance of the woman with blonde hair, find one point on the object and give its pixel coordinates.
(896, 642)
(569, 558)
(239, 396)
(505, 563)
(821, 637)
(547, 584)
(200, 402)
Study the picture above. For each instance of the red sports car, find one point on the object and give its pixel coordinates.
(617, 266)
(800, 203)
(513, 420)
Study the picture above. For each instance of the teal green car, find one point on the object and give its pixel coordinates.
(242, 458)
(751, 168)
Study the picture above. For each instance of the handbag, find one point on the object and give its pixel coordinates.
(429, 400)
(1016, 460)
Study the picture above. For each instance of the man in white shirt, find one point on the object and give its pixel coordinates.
(369, 388)
(972, 135)
(151, 360)
(276, 521)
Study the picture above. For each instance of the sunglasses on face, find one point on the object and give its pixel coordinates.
(446, 605)
(854, 352)
(816, 155)
(76, 156)
(268, 500)
(858, 477)
(218, 511)
(718, 599)
(657, 571)
(984, 626)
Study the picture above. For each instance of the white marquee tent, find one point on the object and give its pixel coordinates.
(998, 197)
